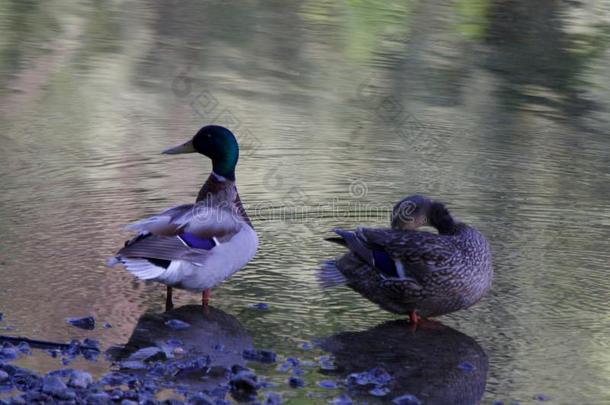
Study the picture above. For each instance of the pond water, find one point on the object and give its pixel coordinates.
(500, 109)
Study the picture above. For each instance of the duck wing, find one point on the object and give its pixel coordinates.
(201, 219)
(398, 254)
(187, 232)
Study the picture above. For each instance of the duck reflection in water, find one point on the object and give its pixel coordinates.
(186, 346)
(436, 364)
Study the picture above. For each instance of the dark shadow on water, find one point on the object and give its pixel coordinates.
(212, 333)
(435, 363)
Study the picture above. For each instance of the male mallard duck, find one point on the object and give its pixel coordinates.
(414, 272)
(196, 246)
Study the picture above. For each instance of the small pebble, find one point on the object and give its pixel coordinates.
(272, 398)
(3, 375)
(53, 385)
(261, 306)
(91, 343)
(306, 346)
(107, 325)
(296, 382)
(8, 353)
(177, 324)
(263, 356)
(80, 379)
(326, 363)
(327, 384)
(24, 347)
(342, 400)
(87, 322)
(145, 354)
(541, 397)
(380, 391)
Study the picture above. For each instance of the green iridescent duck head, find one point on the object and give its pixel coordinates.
(217, 143)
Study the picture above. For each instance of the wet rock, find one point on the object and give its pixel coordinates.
(376, 376)
(158, 369)
(62, 372)
(87, 322)
(151, 353)
(1, 316)
(272, 398)
(113, 379)
(8, 353)
(296, 382)
(177, 324)
(342, 400)
(24, 347)
(263, 356)
(306, 346)
(243, 384)
(330, 384)
(98, 398)
(407, 399)
(201, 399)
(128, 402)
(133, 365)
(91, 343)
(90, 354)
(17, 401)
(3, 376)
(54, 386)
(80, 379)
(379, 391)
(327, 363)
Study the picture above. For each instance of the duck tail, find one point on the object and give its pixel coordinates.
(329, 275)
(336, 239)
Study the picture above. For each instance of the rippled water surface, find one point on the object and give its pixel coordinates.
(499, 108)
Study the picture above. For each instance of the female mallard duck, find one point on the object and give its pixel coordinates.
(196, 246)
(415, 272)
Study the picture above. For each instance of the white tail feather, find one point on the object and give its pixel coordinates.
(143, 269)
(329, 275)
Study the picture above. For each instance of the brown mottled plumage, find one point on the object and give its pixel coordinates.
(408, 271)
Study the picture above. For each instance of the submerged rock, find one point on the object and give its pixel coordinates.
(376, 376)
(243, 384)
(80, 379)
(263, 356)
(296, 382)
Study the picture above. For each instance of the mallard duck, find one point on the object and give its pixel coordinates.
(196, 246)
(408, 271)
